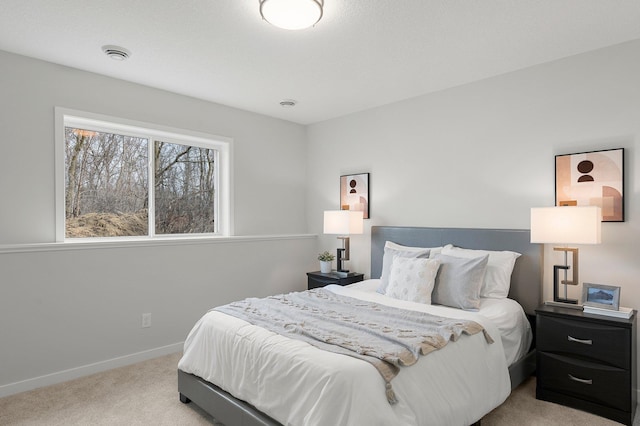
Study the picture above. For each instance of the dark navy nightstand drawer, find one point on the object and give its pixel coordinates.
(589, 381)
(603, 343)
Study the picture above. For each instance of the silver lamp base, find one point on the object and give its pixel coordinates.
(563, 304)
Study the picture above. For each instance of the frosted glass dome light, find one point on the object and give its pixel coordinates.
(291, 14)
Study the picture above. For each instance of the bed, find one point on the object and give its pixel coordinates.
(295, 383)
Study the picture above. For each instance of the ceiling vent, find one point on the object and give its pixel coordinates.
(116, 53)
(287, 103)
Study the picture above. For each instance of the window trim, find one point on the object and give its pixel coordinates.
(224, 146)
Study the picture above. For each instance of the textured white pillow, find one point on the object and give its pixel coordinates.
(412, 279)
(497, 280)
(392, 249)
(459, 281)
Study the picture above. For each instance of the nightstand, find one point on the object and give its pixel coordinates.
(319, 279)
(587, 361)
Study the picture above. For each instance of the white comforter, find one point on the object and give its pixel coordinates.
(298, 384)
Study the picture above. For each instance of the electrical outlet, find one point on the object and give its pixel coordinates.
(146, 320)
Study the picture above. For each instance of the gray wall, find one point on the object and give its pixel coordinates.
(269, 167)
(68, 311)
(481, 155)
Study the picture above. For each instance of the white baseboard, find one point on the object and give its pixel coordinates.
(85, 370)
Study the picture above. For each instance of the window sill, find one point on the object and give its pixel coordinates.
(144, 242)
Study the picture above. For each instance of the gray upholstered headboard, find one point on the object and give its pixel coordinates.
(526, 280)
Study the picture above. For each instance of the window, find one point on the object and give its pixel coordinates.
(116, 178)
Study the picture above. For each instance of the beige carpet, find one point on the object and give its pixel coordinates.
(146, 394)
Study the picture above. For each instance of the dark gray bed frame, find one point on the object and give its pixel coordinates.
(526, 288)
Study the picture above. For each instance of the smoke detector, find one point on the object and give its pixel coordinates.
(116, 53)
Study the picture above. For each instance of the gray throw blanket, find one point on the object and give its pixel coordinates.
(384, 336)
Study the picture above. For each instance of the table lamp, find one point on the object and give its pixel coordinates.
(566, 225)
(343, 223)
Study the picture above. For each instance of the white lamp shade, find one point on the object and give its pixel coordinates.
(566, 225)
(291, 14)
(343, 222)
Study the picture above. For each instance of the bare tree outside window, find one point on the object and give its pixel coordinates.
(184, 188)
(107, 186)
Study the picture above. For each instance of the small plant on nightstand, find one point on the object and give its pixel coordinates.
(325, 259)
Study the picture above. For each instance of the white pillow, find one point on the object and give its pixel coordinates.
(498, 277)
(412, 279)
(434, 252)
(392, 249)
(459, 281)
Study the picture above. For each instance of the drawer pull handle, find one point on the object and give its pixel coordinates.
(576, 379)
(584, 342)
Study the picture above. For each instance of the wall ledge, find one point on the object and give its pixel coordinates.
(145, 242)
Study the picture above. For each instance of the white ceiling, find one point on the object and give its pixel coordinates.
(362, 54)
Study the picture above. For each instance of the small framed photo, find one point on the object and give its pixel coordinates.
(354, 193)
(601, 296)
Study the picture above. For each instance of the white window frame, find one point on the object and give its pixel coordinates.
(65, 117)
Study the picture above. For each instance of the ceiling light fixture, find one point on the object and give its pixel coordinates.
(116, 53)
(291, 14)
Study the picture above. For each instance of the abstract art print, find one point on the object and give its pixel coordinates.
(592, 179)
(354, 193)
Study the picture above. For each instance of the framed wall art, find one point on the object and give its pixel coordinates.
(354, 193)
(593, 178)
